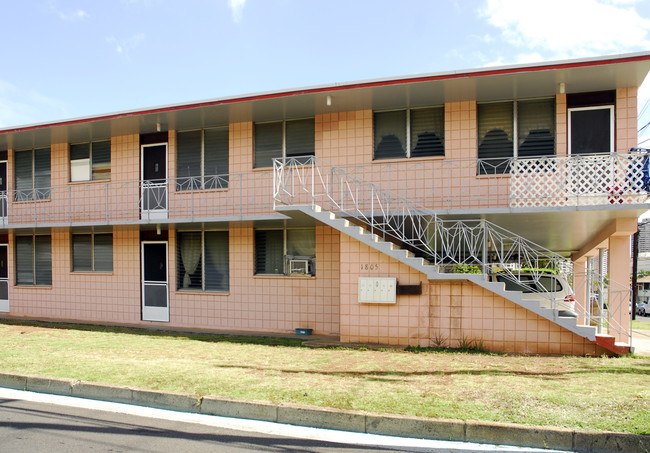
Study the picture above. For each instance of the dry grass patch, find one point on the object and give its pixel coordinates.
(574, 392)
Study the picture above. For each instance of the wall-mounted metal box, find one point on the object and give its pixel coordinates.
(377, 290)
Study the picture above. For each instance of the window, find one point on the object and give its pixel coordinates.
(409, 133)
(32, 174)
(34, 260)
(279, 139)
(92, 252)
(590, 130)
(277, 250)
(90, 161)
(514, 129)
(203, 260)
(202, 159)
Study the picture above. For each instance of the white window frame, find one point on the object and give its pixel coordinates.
(408, 129)
(284, 247)
(202, 231)
(92, 235)
(203, 175)
(515, 122)
(612, 124)
(284, 134)
(89, 164)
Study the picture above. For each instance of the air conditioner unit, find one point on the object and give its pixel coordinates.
(299, 267)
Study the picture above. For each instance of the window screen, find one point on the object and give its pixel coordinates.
(301, 242)
(23, 175)
(92, 252)
(215, 167)
(42, 173)
(24, 260)
(203, 259)
(427, 132)
(536, 128)
(269, 252)
(101, 160)
(268, 143)
(32, 172)
(390, 134)
(188, 160)
(190, 274)
(217, 273)
(591, 131)
(80, 162)
(300, 138)
(82, 253)
(33, 260)
(495, 133)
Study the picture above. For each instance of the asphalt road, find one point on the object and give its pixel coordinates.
(31, 422)
(27, 426)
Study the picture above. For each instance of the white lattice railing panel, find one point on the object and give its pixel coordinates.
(579, 180)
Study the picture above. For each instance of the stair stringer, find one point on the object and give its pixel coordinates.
(432, 271)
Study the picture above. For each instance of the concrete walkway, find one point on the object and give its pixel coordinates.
(641, 342)
(361, 422)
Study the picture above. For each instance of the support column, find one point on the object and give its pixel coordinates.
(618, 299)
(580, 289)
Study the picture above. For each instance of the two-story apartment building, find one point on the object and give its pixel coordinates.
(424, 210)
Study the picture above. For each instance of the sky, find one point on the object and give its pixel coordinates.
(64, 58)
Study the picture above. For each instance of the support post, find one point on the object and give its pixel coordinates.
(601, 285)
(618, 301)
(581, 290)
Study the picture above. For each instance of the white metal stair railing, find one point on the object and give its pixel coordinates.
(475, 246)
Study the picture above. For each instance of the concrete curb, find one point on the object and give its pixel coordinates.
(390, 425)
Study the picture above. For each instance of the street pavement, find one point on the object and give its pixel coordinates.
(38, 422)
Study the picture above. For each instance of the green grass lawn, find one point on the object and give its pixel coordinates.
(575, 392)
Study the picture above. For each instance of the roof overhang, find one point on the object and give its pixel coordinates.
(485, 84)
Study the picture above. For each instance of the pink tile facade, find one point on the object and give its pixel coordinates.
(327, 303)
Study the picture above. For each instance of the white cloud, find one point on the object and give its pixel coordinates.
(76, 15)
(566, 29)
(124, 47)
(237, 9)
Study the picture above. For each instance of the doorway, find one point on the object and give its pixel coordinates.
(155, 281)
(154, 181)
(4, 279)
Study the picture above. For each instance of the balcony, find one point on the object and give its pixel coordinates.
(619, 179)
(462, 184)
(220, 198)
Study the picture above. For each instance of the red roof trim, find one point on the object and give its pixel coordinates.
(449, 76)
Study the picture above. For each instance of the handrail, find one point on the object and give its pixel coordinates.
(476, 246)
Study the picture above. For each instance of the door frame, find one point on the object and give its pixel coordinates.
(4, 303)
(154, 213)
(612, 124)
(158, 314)
(4, 200)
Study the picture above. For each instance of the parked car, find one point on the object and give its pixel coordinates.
(642, 309)
(553, 291)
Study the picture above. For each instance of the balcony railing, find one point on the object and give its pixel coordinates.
(186, 199)
(442, 184)
(446, 184)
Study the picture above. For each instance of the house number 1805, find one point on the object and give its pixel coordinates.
(369, 267)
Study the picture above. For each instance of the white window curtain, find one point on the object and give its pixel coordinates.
(190, 254)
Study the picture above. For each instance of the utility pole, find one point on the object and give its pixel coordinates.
(635, 260)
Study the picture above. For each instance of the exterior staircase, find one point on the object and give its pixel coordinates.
(433, 273)
(302, 185)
